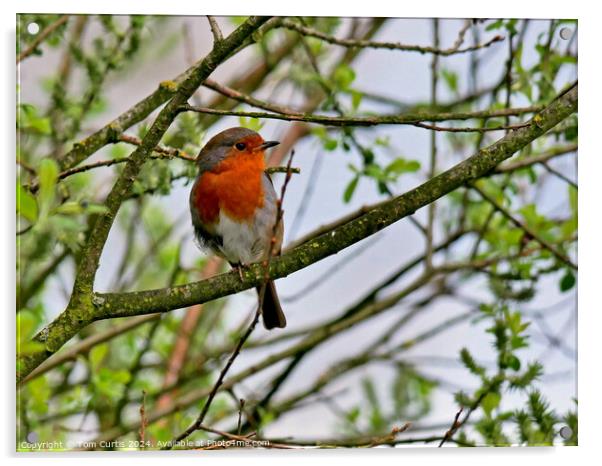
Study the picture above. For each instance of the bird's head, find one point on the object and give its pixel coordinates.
(232, 142)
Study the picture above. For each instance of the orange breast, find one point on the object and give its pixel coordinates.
(234, 186)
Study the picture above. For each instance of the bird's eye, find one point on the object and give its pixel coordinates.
(240, 145)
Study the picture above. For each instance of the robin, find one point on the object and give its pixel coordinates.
(233, 206)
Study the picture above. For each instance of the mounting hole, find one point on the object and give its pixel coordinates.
(566, 33)
(566, 432)
(33, 28)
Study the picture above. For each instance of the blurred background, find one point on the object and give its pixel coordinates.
(152, 235)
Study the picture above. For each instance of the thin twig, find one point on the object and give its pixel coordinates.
(215, 30)
(461, 34)
(306, 197)
(536, 159)
(143, 420)
(240, 411)
(470, 129)
(56, 112)
(390, 436)
(87, 344)
(454, 426)
(307, 31)
(171, 152)
(292, 170)
(559, 175)
(448, 437)
(26, 167)
(186, 330)
(428, 262)
(330, 272)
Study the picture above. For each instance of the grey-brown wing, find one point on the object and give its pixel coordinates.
(271, 199)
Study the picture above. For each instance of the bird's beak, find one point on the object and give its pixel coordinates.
(267, 145)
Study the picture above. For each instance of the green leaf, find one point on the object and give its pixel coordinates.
(48, 175)
(96, 208)
(532, 218)
(567, 281)
(573, 199)
(513, 362)
(97, 355)
(517, 342)
(451, 79)
(490, 402)
(40, 393)
(383, 141)
(374, 171)
(522, 381)
(353, 168)
(349, 190)
(511, 26)
(356, 99)
(470, 363)
(343, 76)
(254, 124)
(27, 323)
(28, 118)
(69, 208)
(30, 347)
(353, 414)
(27, 205)
(330, 144)
(571, 133)
(401, 165)
(495, 25)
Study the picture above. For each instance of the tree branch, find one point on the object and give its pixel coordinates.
(482, 163)
(529, 161)
(428, 261)
(215, 30)
(87, 344)
(79, 311)
(415, 119)
(331, 242)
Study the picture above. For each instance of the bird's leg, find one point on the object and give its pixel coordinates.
(238, 267)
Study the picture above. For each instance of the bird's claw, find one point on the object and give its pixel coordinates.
(238, 268)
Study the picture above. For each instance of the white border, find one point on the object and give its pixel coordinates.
(589, 206)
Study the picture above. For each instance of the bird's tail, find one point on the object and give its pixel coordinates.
(271, 310)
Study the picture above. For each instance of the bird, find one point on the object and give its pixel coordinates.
(234, 207)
